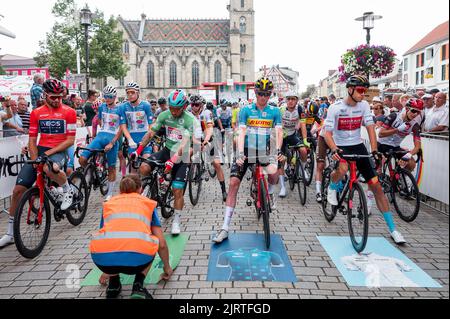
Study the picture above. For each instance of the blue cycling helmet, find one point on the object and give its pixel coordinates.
(178, 98)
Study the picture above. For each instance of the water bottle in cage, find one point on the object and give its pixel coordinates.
(164, 182)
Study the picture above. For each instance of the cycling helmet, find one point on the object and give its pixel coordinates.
(416, 104)
(162, 101)
(203, 100)
(178, 98)
(264, 85)
(209, 106)
(292, 94)
(153, 101)
(313, 108)
(223, 101)
(358, 80)
(53, 86)
(132, 86)
(196, 99)
(110, 90)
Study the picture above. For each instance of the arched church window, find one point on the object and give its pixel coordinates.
(195, 74)
(242, 3)
(243, 25)
(218, 72)
(173, 74)
(150, 74)
(126, 47)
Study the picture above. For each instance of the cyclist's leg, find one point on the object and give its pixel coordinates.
(97, 143)
(122, 161)
(281, 170)
(111, 157)
(236, 175)
(217, 161)
(145, 169)
(180, 177)
(321, 158)
(71, 163)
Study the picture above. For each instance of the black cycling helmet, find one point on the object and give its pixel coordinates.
(313, 108)
(196, 99)
(358, 80)
(210, 106)
(53, 86)
(264, 85)
(153, 101)
(162, 101)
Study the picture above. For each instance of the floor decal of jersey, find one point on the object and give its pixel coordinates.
(176, 246)
(380, 265)
(243, 257)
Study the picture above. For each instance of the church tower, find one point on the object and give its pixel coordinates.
(242, 40)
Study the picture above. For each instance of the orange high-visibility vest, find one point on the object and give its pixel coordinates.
(126, 238)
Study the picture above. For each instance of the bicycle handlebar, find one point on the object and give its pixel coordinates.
(147, 161)
(87, 149)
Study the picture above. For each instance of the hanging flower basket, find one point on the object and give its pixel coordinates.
(378, 61)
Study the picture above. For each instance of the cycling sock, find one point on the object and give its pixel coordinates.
(222, 185)
(318, 187)
(177, 217)
(114, 282)
(111, 188)
(389, 221)
(124, 170)
(271, 189)
(228, 215)
(66, 187)
(10, 227)
(282, 181)
(139, 278)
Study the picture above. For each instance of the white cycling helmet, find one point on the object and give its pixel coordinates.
(292, 94)
(132, 86)
(110, 90)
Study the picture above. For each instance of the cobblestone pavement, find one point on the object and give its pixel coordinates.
(45, 276)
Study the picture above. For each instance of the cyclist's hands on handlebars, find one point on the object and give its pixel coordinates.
(108, 147)
(280, 156)
(335, 154)
(40, 159)
(240, 159)
(378, 157)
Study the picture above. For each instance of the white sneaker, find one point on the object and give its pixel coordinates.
(273, 203)
(67, 199)
(6, 240)
(398, 238)
(220, 236)
(283, 192)
(176, 230)
(332, 197)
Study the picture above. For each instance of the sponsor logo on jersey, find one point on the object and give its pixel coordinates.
(174, 134)
(52, 126)
(349, 123)
(259, 123)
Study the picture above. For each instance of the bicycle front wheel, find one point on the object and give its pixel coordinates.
(309, 167)
(167, 204)
(265, 212)
(301, 183)
(406, 196)
(30, 234)
(76, 215)
(195, 183)
(328, 211)
(358, 218)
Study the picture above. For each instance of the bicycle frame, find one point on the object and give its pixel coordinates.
(349, 184)
(258, 178)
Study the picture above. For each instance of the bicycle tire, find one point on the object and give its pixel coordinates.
(265, 212)
(89, 176)
(300, 181)
(195, 176)
(309, 167)
(28, 196)
(211, 170)
(396, 196)
(167, 209)
(83, 191)
(362, 214)
(329, 212)
(291, 176)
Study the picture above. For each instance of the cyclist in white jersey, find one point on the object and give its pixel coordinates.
(343, 136)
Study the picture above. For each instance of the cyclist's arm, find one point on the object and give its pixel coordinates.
(417, 140)
(330, 140)
(329, 127)
(279, 135)
(387, 129)
(241, 139)
(32, 148)
(372, 137)
(126, 132)
(303, 129)
(209, 132)
(62, 147)
(117, 136)
(148, 136)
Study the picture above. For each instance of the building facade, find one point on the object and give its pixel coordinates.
(425, 65)
(166, 54)
(285, 79)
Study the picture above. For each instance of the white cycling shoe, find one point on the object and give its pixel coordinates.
(6, 241)
(220, 236)
(398, 238)
(332, 197)
(176, 229)
(67, 199)
(283, 192)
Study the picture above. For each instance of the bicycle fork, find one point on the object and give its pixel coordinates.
(353, 179)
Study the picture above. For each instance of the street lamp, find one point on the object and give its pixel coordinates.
(86, 21)
(368, 20)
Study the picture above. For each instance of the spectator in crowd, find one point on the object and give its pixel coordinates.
(396, 105)
(5, 113)
(332, 99)
(378, 112)
(88, 110)
(36, 90)
(13, 126)
(420, 94)
(403, 100)
(428, 103)
(66, 99)
(133, 254)
(24, 114)
(434, 92)
(437, 119)
(387, 104)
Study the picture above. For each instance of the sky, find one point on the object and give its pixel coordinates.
(307, 36)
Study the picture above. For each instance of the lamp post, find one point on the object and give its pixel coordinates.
(368, 20)
(86, 21)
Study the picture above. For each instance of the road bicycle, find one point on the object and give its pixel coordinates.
(310, 162)
(32, 218)
(295, 172)
(197, 173)
(351, 202)
(96, 171)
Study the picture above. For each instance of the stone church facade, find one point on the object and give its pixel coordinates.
(166, 54)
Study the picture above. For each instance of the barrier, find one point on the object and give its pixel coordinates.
(10, 152)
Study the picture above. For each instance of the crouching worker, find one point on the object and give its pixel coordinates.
(128, 239)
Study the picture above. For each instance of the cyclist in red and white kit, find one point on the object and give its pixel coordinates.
(56, 124)
(343, 136)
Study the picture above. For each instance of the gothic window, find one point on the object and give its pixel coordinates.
(122, 82)
(217, 72)
(173, 74)
(150, 74)
(242, 3)
(243, 48)
(126, 47)
(195, 74)
(243, 25)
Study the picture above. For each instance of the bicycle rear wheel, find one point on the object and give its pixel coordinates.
(167, 204)
(265, 212)
(300, 180)
(358, 218)
(76, 215)
(30, 236)
(195, 183)
(405, 196)
(328, 211)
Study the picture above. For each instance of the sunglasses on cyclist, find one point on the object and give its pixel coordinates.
(414, 111)
(264, 94)
(109, 96)
(361, 90)
(55, 97)
(195, 105)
